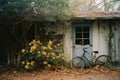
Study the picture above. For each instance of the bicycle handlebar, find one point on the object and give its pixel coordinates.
(85, 50)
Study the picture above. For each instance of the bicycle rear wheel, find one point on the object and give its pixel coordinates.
(103, 60)
(77, 63)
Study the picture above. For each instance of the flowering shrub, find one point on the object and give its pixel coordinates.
(37, 55)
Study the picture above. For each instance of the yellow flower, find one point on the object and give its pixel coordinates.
(27, 63)
(32, 62)
(23, 62)
(58, 57)
(31, 51)
(53, 54)
(34, 41)
(38, 52)
(44, 53)
(44, 48)
(48, 54)
(23, 50)
(58, 44)
(45, 62)
(34, 47)
(30, 44)
(38, 41)
(49, 65)
(26, 66)
(50, 42)
(53, 57)
(49, 47)
(35, 44)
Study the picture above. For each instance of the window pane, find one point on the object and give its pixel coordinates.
(78, 41)
(78, 35)
(85, 29)
(86, 35)
(78, 29)
(86, 41)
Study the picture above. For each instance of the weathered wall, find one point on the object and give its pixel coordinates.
(100, 37)
(106, 37)
(60, 29)
(68, 42)
(115, 40)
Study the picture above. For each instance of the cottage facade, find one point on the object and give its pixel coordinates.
(99, 31)
(96, 31)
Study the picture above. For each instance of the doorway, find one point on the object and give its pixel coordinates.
(82, 38)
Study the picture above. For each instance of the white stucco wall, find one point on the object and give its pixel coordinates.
(95, 37)
(68, 42)
(102, 41)
(100, 37)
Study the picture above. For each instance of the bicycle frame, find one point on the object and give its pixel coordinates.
(87, 61)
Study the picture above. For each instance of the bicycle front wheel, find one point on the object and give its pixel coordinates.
(77, 63)
(103, 60)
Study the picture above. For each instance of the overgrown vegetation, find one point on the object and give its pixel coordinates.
(18, 17)
(38, 10)
(40, 56)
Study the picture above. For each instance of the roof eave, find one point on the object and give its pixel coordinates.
(95, 18)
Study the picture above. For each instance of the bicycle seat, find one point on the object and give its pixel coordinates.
(96, 52)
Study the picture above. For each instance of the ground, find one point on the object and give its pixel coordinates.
(95, 73)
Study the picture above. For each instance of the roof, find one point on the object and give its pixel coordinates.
(98, 15)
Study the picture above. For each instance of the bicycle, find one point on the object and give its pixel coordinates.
(83, 62)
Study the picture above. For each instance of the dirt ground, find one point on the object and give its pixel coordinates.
(96, 73)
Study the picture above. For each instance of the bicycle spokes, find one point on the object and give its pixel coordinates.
(103, 60)
(77, 63)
